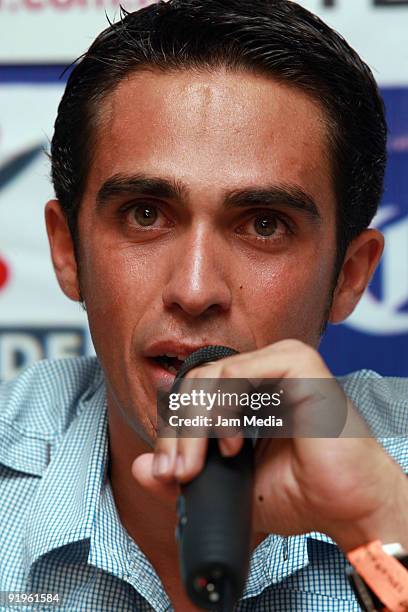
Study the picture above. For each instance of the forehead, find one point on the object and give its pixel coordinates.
(213, 130)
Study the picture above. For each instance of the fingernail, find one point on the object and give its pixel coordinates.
(161, 464)
(225, 447)
(179, 466)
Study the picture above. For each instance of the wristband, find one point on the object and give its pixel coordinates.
(379, 577)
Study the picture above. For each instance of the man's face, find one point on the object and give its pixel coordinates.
(208, 218)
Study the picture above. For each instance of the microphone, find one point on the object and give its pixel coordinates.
(214, 515)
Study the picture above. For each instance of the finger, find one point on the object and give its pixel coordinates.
(230, 446)
(142, 471)
(164, 460)
(190, 458)
(284, 359)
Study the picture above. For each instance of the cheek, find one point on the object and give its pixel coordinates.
(288, 299)
(118, 286)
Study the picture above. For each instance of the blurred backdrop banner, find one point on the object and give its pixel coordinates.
(38, 39)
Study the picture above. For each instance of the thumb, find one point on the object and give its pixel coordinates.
(142, 471)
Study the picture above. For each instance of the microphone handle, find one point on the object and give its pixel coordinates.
(214, 515)
(214, 528)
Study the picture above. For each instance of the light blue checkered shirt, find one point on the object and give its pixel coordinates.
(60, 531)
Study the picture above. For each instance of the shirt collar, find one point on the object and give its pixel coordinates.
(74, 502)
(65, 503)
(38, 407)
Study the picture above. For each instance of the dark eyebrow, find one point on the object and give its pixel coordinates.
(140, 184)
(291, 196)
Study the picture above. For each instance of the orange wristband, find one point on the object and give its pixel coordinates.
(384, 574)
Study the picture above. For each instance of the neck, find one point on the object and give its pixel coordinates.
(148, 520)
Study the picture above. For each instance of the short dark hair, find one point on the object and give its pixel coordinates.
(277, 38)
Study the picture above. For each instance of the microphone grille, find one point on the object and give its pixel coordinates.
(204, 355)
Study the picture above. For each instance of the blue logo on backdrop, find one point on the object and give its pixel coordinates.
(376, 335)
(384, 307)
(22, 346)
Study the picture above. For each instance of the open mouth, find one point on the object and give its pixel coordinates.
(169, 362)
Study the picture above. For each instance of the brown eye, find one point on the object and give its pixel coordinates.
(145, 215)
(265, 226)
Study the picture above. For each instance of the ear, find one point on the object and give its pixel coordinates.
(62, 250)
(360, 262)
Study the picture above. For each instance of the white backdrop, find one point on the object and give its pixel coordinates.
(34, 31)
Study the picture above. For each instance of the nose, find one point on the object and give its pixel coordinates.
(197, 283)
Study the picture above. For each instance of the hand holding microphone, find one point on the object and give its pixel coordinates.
(294, 490)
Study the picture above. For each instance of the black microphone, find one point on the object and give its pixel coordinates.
(214, 515)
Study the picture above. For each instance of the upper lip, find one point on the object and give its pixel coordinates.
(180, 349)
